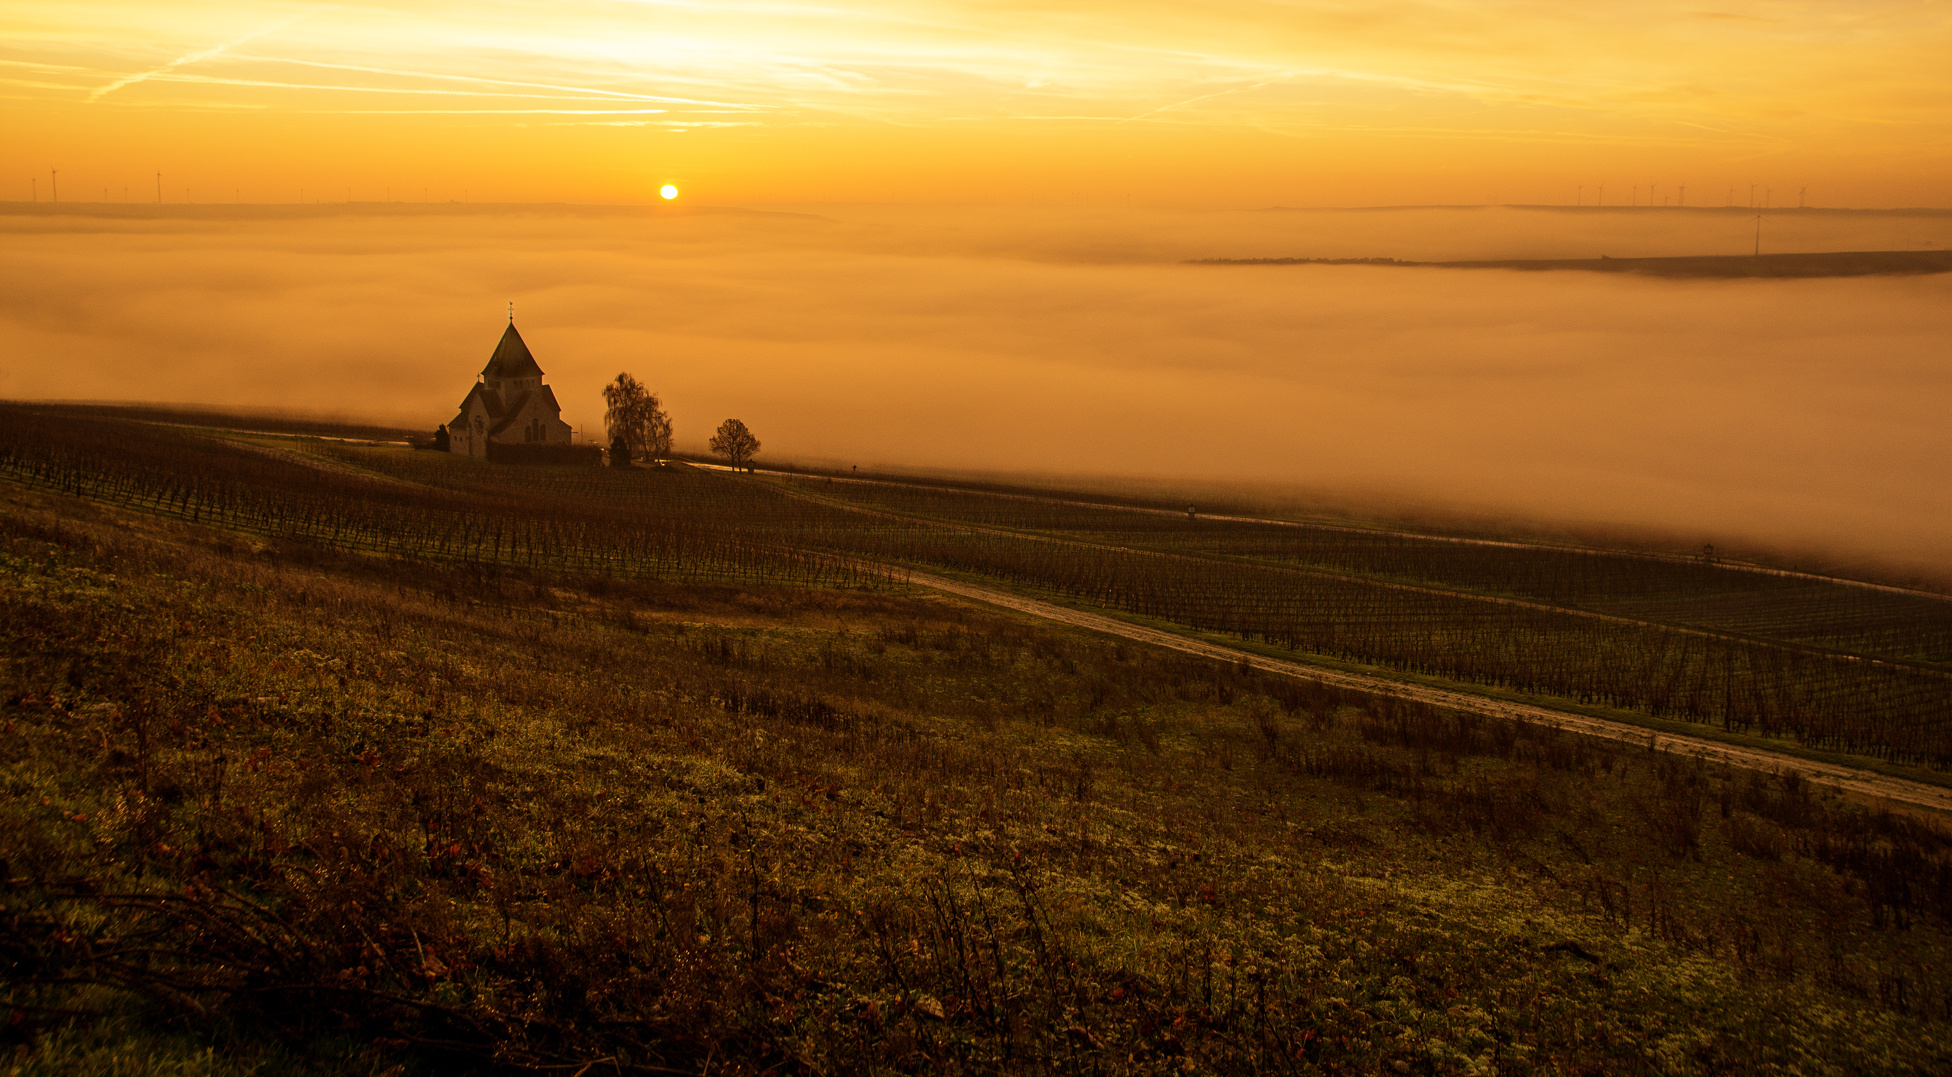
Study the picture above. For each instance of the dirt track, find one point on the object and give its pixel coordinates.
(1391, 585)
(1849, 779)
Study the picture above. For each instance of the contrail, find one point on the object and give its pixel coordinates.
(1202, 97)
(190, 59)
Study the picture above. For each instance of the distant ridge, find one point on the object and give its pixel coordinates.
(233, 417)
(1736, 211)
(1826, 264)
(261, 211)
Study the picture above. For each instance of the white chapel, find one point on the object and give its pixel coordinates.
(508, 405)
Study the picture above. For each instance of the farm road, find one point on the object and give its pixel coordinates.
(1388, 585)
(1849, 779)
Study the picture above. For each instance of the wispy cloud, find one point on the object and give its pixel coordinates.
(40, 65)
(408, 91)
(479, 111)
(187, 59)
(482, 80)
(1670, 84)
(1196, 100)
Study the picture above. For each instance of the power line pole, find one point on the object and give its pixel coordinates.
(53, 185)
(1684, 194)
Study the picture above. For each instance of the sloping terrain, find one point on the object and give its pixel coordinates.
(300, 793)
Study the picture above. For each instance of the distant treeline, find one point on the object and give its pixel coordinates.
(1826, 264)
(262, 211)
(269, 422)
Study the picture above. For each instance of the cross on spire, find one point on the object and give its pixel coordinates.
(511, 312)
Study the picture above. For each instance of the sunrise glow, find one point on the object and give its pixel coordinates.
(1082, 102)
(1158, 537)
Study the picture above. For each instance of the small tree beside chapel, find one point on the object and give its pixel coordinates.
(634, 414)
(734, 442)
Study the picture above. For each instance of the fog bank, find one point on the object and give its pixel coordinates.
(1805, 413)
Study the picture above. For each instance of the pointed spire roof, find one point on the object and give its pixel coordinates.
(511, 358)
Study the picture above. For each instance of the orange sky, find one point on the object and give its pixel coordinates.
(1225, 103)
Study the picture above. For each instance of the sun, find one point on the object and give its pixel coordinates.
(668, 191)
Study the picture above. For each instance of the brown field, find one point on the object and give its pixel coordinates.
(323, 810)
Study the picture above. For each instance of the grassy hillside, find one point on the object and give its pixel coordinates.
(285, 798)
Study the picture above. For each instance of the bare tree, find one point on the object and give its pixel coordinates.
(734, 442)
(635, 414)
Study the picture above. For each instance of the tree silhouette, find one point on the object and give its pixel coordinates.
(619, 451)
(440, 438)
(734, 442)
(635, 415)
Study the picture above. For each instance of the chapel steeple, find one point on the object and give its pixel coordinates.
(512, 362)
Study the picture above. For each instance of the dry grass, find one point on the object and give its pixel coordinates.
(325, 813)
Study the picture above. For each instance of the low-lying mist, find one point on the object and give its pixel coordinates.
(1798, 414)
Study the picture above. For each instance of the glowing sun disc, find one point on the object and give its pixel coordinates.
(668, 191)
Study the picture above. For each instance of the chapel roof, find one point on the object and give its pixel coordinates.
(490, 399)
(511, 358)
(508, 417)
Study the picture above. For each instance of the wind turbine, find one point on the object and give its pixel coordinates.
(1758, 233)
